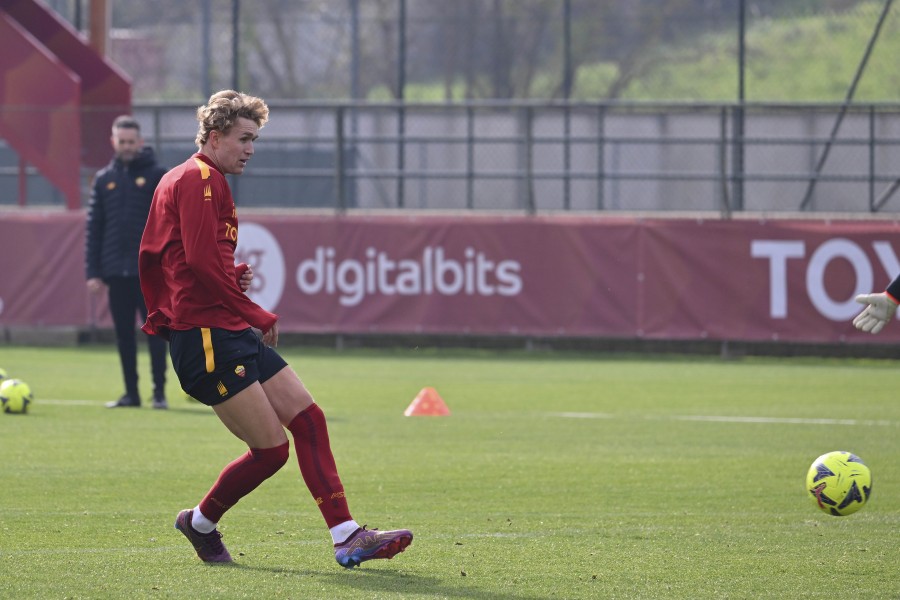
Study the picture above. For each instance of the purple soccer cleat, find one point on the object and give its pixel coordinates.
(365, 544)
(209, 546)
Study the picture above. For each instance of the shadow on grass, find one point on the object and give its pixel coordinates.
(364, 582)
(197, 409)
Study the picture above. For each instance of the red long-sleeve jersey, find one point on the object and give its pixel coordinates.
(186, 260)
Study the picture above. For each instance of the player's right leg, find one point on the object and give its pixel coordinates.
(248, 416)
(233, 391)
(208, 546)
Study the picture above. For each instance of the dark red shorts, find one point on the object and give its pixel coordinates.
(215, 364)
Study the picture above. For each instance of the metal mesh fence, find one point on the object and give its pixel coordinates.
(659, 50)
(535, 105)
(539, 157)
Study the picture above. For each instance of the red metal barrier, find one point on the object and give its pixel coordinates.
(105, 89)
(40, 107)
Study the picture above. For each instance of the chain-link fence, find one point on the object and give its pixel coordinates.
(434, 50)
(533, 105)
(534, 156)
(538, 157)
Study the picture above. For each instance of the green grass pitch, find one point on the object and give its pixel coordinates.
(555, 476)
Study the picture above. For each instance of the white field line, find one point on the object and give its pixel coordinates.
(734, 419)
(55, 402)
(582, 415)
(592, 415)
(787, 420)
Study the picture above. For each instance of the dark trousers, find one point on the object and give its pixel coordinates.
(125, 302)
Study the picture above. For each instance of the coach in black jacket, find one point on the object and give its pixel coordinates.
(120, 202)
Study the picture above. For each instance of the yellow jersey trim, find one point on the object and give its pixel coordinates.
(208, 349)
(204, 168)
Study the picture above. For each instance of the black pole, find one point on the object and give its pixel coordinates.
(355, 93)
(205, 38)
(567, 49)
(77, 17)
(738, 181)
(742, 54)
(401, 53)
(354, 49)
(235, 68)
(567, 94)
(401, 97)
(339, 201)
(235, 44)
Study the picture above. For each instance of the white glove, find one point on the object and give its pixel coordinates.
(880, 308)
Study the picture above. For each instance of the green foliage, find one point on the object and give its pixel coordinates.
(809, 58)
(804, 56)
(555, 476)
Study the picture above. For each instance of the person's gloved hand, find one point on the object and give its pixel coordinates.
(880, 309)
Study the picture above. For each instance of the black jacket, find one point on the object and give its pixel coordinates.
(120, 202)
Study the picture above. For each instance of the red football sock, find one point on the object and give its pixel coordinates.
(240, 477)
(317, 464)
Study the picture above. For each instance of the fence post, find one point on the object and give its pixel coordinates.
(23, 182)
(871, 158)
(470, 157)
(567, 158)
(340, 201)
(529, 160)
(157, 131)
(601, 156)
(723, 163)
(401, 96)
(737, 167)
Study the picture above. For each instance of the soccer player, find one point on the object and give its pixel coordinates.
(880, 308)
(195, 298)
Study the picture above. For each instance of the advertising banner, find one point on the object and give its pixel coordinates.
(42, 265)
(597, 276)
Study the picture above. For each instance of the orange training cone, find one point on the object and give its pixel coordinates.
(427, 403)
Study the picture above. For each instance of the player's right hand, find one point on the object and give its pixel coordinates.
(880, 309)
(243, 274)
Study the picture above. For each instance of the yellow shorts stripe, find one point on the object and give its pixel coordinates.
(208, 349)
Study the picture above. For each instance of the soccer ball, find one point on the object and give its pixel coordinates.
(15, 396)
(839, 483)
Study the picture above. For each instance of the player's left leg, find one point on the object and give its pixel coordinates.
(305, 420)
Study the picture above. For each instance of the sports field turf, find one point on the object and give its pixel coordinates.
(555, 476)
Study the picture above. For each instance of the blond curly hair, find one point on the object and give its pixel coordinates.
(223, 110)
